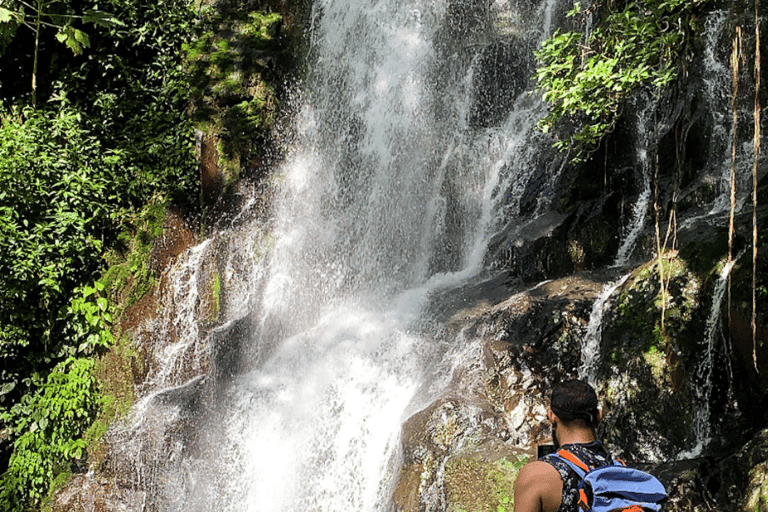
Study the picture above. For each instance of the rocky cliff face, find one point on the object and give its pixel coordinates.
(668, 359)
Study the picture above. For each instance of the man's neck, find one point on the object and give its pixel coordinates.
(575, 436)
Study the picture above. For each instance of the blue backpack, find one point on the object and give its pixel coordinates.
(615, 487)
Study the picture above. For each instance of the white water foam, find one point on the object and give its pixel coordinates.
(387, 196)
(590, 350)
(702, 427)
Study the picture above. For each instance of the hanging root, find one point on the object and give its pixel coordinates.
(754, 184)
(735, 54)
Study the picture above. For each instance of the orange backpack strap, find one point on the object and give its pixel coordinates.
(568, 456)
(583, 500)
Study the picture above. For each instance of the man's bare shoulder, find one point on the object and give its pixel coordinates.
(538, 488)
(539, 471)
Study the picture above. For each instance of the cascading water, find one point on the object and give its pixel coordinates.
(590, 350)
(717, 91)
(702, 428)
(414, 150)
(643, 148)
(394, 185)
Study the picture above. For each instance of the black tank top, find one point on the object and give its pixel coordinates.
(593, 454)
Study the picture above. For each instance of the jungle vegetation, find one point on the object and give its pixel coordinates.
(93, 126)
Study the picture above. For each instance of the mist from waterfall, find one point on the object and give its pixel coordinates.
(389, 193)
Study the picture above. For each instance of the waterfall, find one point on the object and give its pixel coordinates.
(402, 168)
(717, 91)
(639, 210)
(590, 350)
(702, 428)
(411, 165)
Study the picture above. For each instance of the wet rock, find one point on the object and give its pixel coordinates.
(211, 176)
(502, 72)
(177, 237)
(736, 482)
(465, 447)
(554, 244)
(86, 493)
(647, 384)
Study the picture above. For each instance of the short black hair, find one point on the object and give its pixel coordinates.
(574, 400)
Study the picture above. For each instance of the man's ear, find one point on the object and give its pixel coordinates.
(599, 415)
(551, 415)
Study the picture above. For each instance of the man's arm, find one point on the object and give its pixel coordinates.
(538, 488)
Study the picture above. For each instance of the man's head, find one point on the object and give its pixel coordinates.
(574, 404)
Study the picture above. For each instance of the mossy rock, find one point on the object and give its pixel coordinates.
(117, 371)
(475, 484)
(129, 274)
(647, 385)
(233, 65)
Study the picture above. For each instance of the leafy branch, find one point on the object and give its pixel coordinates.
(586, 76)
(22, 13)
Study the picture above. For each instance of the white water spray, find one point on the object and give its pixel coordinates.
(380, 176)
(702, 428)
(387, 196)
(590, 350)
(179, 355)
(640, 209)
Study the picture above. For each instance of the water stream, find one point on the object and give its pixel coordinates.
(702, 425)
(390, 192)
(590, 350)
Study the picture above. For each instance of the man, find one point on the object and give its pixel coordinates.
(549, 484)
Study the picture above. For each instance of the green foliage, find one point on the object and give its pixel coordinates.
(128, 278)
(112, 137)
(90, 319)
(585, 77)
(141, 100)
(51, 13)
(47, 425)
(230, 65)
(54, 213)
(56, 14)
(474, 485)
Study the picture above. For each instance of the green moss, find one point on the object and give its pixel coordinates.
(128, 278)
(576, 252)
(216, 290)
(649, 382)
(707, 252)
(474, 485)
(63, 473)
(115, 374)
(116, 278)
(588, 243)
(229, 64)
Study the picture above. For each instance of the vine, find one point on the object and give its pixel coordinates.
(754, 185)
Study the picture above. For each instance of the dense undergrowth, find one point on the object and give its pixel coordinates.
(109, 134)
(98, 105)
(586, 75)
